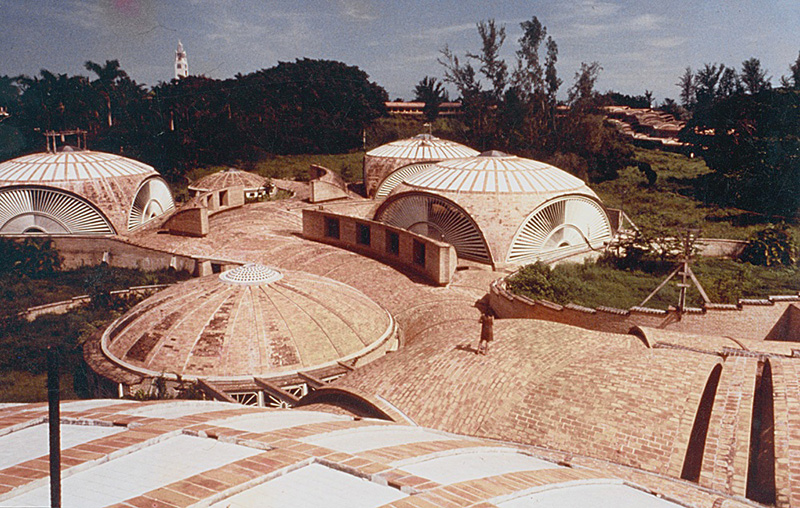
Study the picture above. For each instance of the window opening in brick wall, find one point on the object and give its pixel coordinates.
(363, 234)
(419, 253)
(332, 227)
(693, 463)
(392, 243)
(761, 467)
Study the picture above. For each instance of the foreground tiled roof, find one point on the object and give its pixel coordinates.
(184, 453)
(45, 168)
(598, 394)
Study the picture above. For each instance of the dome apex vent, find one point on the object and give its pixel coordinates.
(251, 275)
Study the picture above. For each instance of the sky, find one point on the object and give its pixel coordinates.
(640, 44)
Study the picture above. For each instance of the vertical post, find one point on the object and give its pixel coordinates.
(54, 420)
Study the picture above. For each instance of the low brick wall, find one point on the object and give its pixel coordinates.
(78, 251)
(192, 218)
(748, 319)
(435, 260)
(63, 306)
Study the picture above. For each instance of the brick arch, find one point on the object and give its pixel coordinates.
(345, 399)
(693, 461)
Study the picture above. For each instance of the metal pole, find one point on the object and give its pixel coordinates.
(54, 421)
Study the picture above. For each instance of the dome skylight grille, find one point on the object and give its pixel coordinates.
(51, 211)
(396, 178)
(251, 274)
(439, 219)
(569, 222)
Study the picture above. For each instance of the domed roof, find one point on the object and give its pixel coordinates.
(105, 193)
(249, 321)
(422, 147)
(69, 165)
(496, 171)
(230, 177)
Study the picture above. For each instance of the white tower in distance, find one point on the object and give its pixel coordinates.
(181, 63)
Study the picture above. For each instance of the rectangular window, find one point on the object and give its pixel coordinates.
(392, 243)
(332, 227)
(419, 253)
(362, 234)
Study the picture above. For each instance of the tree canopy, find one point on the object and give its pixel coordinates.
(306, 106)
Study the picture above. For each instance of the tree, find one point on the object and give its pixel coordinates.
(793, 80)
(754, 152)
(492, 66)
(687, 85)
(550, 73)
(107, 78)
(432, 93)
(528, 75)
(582, 91)
(754, 78)
(729, 83)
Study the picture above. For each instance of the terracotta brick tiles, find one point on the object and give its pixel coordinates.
(286, 452)
(786, 388)
(728, 440)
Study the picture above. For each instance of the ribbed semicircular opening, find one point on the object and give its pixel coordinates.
(439, 219)
(45, 210)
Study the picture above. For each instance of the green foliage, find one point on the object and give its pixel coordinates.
(598, 284)
(539, 281)
(31, 257)
(433, 94)
(771, 246)
(754, 151)
(306, 106)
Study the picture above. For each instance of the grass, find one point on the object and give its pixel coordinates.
(671, 202)
(597, 284)
(21, 386)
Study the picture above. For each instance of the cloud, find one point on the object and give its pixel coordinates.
(668, 42)
(438, 33)
(361, 10)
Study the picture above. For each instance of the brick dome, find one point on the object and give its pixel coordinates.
(230, 177)
(246, 322)
(500, 209)
(79, 192)
(400, 158)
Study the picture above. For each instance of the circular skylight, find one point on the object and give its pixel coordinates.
(251, 274)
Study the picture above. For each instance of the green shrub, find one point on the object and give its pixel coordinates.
(539, 281)
(771, 246)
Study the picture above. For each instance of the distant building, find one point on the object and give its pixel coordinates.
(181, 62)
(416, 108)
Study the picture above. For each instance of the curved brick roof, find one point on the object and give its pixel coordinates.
(217, 454)
(108, 181)
(250, 321)
(229, 178)
(551, 385)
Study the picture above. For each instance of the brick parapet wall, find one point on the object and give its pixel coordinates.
(749, 319)
(440, 258)
(77, 251)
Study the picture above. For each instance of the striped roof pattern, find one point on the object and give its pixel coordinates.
(495, 172)
(423, 147)
(69, 166)
(229, 178)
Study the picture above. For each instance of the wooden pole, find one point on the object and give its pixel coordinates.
(54, 420)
